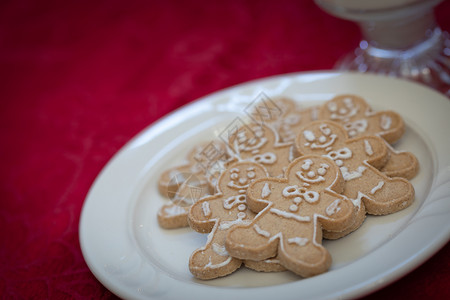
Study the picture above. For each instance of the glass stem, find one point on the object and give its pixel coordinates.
(400, 33)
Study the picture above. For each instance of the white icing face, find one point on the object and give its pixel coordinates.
(324, 140)
(241, 176)
(356, 127)
(342, 111)
(250, 141)
(310, 173)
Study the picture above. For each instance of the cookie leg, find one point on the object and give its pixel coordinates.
(303, 254)
(253, 241)
(213, 260)
(173, 216)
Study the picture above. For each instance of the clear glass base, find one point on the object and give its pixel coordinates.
(427, 62)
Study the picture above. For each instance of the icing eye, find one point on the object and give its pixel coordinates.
(251, 174)
(309, 135)
(234, 176)
(307, 164)
(332, 106)
(322, 171)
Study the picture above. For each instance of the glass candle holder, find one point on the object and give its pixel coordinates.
(400, 38)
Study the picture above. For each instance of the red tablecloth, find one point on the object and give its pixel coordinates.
(81, 78)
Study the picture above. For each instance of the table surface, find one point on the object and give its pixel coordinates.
(80, 78)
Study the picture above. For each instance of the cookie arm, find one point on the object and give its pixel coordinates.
(201, 217)
(338, 211)
(371, 149)
(260, 192)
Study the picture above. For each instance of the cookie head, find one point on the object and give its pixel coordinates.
(239, 176)
(248, 139)
(344, 108)
(313, 172)
(320, 135)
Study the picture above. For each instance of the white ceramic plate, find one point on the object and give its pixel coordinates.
(134, 258)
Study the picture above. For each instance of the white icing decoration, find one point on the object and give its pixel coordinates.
(311, 174)
(289, 215)
(353, 128)
(293, 207)
(344, 153)
(174, 210)
(206, 209)
(233, 185)
(332, 106)
(234, 200)
(352, 110)
(216, 266)
(267, 158)
(295, 191)
(251, 144)
(224, 225)
(242, 207)
(377, 187)
(241, 215)
(357, 202)
(385, 122)
(307, 164)
(261, 231)
(325, 130)
(265, 191)
(333, 207)
(331, 141)
(368, 148)
(219, 249)
(323, 169)
(309, 135)
(298, 240)
(352, 175)
(309, 180)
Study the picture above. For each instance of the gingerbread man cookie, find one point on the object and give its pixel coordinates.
(258, 143)
(291, 214)
(201, 164)
(358, 158)
(358, 119)
(219, 213)
(284, 116)
(187, 183)
(174, 214)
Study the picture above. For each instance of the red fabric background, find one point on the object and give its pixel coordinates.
(78, 79)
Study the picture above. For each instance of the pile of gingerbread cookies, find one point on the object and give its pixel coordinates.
(271, 189)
